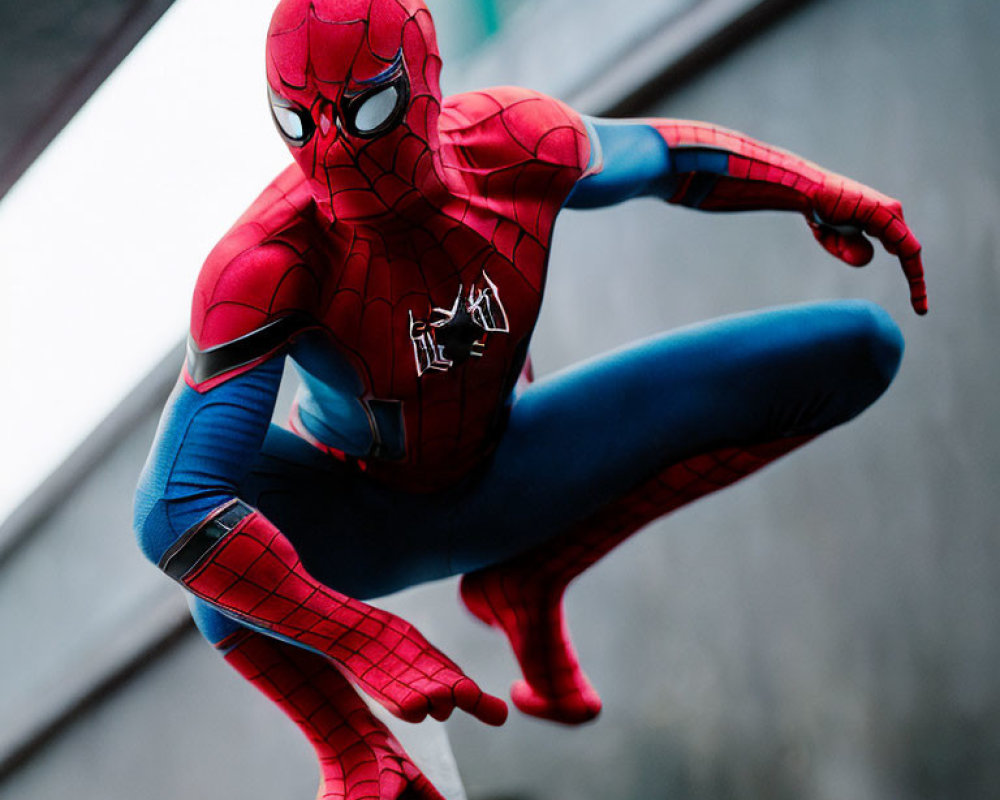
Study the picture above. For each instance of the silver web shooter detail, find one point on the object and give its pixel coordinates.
(450, 336)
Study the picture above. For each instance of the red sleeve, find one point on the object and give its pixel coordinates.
(252, 297)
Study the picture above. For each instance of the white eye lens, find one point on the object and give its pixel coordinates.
(376, 110)
(289, 122)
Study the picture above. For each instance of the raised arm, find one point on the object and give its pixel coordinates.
(714, 169)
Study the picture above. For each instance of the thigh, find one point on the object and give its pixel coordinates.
(584, 437)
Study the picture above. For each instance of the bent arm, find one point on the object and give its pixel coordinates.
(191, 522)
(707, 167)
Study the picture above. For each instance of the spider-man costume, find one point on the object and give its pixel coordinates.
(399, 265)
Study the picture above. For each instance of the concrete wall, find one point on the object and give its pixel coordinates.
(824, 630)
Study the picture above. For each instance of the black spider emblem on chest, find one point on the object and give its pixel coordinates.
(450, 336)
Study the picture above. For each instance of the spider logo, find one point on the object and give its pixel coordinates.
(450, 336)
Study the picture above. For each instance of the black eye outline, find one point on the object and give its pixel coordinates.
(305, 120)
(394, 78)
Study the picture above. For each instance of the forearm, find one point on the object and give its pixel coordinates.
(716, 169)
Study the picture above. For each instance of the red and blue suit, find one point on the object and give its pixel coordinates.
(398, 265)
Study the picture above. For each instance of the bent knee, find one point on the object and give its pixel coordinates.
(860, 350)
(876, 342)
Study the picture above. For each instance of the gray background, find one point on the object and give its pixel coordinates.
(824, 630)
(53, 55)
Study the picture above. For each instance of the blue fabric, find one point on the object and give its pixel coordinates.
(330, 398)
(696, 159)
(204, 446)
(215, 626)
(636, 163)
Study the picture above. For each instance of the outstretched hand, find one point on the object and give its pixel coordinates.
(393, 663)
(845, 213)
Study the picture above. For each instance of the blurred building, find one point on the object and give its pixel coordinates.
(824, 630)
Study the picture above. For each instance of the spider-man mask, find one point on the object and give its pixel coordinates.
(354, 91)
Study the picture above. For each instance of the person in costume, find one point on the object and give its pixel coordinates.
(398, 265)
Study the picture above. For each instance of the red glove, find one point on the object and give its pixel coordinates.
(845, 211)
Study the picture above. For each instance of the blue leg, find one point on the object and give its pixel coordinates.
(583, 438)
(605, 448)
(215, 626)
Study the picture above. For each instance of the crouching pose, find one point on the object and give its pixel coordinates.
(399, 264)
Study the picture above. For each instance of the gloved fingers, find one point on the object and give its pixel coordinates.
(887, 224)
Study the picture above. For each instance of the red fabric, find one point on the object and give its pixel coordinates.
(359, 757)
(254, 574)
(523, 597)
(367, 236)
